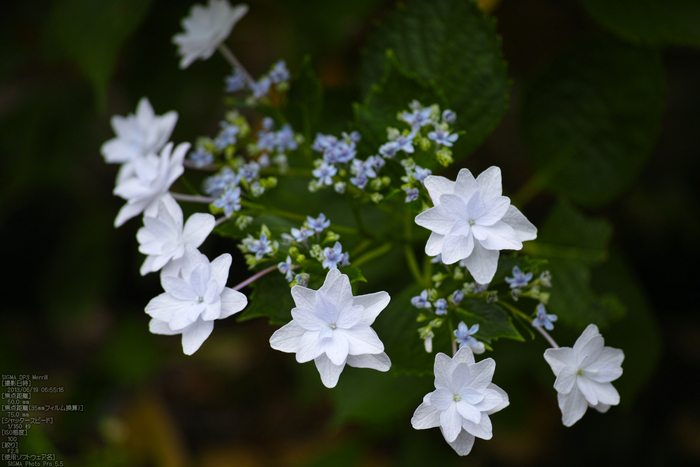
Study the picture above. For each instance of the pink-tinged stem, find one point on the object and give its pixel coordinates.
(254, 277)
(234, 61)
(193, 198)
(192, 165)
(454, 347)
(221, 220)
(547, 336)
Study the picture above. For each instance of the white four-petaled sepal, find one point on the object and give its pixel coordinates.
(205, 28)
(472, 221)
(163, 237)
(463, 399)
(194, 299)
(584, 375)
(332, 327)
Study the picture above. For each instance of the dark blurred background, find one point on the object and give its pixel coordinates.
(73, 299)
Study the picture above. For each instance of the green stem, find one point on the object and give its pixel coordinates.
(453, 339)
(372, 254)
(413, 265)
(525, 317)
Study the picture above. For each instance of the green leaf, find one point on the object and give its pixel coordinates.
(592, 119)
(91, 33)
(305, 100)
(392, 94)
(494, 323)
(650, 22)
(452, 44)
(354, 274)
(270, 298)
(573, 243)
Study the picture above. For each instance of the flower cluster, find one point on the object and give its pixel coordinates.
(470, 222)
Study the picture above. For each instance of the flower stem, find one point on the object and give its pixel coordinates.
(193, 198)
(221, 220)
(522, 315)
(452, 337)
(413, 264)
(254, 277)
(370, 255)
(226, 52)
(547, 336)
(192, 165)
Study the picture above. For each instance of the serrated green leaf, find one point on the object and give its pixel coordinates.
(389, 96)
(592, 119)
(494, 323)
(649, 22)
(305, 100)
(453, 45)
(270, 298)
(91, 33)
(573, 243)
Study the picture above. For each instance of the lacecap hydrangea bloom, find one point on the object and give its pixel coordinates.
(332, 327)
(147, 179)
(472, 221)
(584, 374)
(163, 237)
(194, 299)
(463, 399)
(138, 134)
(205, 28)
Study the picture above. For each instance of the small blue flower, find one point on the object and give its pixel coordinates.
(360, 181)
(457, 297)
(405, 143)
(323, 142)
(345, 260)
(449, 116)
(463, 336)
(279, 72)
(421, 301)
(376, 162)
(268, 123)
(325, 173)
(215, 185)
(418, 118)
(443, 137)
(261, 87)
(249, 171)
(353, 137)
(284, 139)
(389, 150)
(340, 152)
(411, 194)
(235, 82)
(230, 201)
(363, 168)
(437, 259)
(201, 157)
(333, 256)
(478, 288)
(519, 279)
(227, 136)
(319, 224)
(302, 279)
(419, 173)
(285, 267)
(441, 306)
(260, 247)
(543, 319)
(267, 140)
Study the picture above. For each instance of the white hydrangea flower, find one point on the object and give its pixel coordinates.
(138, 134)
(205, 28)
(472, 221)
(463, 399)
(332, 327)
(163, 237)
(584, 374)
(147, 179)
(193, 300)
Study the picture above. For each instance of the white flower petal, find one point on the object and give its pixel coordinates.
(434, 245)
(464, 355)
(373, 304)
(482, 263)
(483, 429)
(468, 411)
(287, 338)
(379, 362)
(303, 297)
(310, 347)
(309, 319)
(482, 373)
(450, 421)
(456, 248)
(444, 366)
(573, 405)
(197, 229)
(329, 371)
(496, 208)
(560, 358)
(426, 416)
(232, 301)
(589, 333)
(523, 228)
(462, 444)
(438, 186)
(442, 399)
(194, 335)
(499, 236)
(336, 348)
(436, 219)
(362, 340)
(451, 207)
(490, 182)
(566, 379)
(505, 402)
(466, 185)
(602, 372)
(157, 326)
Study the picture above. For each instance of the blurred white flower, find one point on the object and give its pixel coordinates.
(332, 327)
(163, 237)
(472, 221)
(138, 134)
(584, 374)
(147, 179)
(205, 28)
(193, 300)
